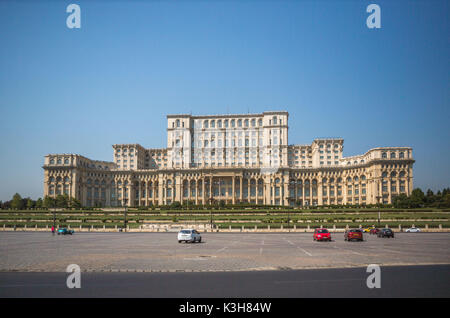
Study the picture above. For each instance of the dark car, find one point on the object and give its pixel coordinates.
(353, 234)
(64, 231)
(386, 233)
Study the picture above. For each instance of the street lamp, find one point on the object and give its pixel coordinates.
(379, 208)
(125, 218)
(54, 218)
(211, 199)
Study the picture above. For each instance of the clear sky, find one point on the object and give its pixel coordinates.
(132, 62)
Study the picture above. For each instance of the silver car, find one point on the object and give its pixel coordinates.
(413, 230)
(189, 235)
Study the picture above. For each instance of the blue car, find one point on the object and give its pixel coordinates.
(64, 231)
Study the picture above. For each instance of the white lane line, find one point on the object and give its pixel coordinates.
(304, 251)
(225, 247)
(301, 249)
(222, 249)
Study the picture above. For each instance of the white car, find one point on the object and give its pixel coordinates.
(189, 235)
(413, 230)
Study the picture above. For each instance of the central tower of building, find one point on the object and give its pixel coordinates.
(249, 140)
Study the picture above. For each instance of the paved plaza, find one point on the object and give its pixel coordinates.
(153, 252)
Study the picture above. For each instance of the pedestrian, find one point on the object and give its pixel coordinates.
(53, 230)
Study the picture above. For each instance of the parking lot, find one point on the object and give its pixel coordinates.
(28, 251)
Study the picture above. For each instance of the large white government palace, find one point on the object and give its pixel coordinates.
(232, 158)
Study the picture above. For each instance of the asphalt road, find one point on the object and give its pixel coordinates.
(397, 281)
(155, 252)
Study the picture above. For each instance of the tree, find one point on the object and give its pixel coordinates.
(175, 205)
(39, 203)
(62, 201)
(74, 203)
(49, 202)
(401, 201)
(30, 203)
(417, 198)
(447, 200)
(17, 202)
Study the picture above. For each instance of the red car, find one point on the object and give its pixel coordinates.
(353, 234)
(321, 235)
(374, 231)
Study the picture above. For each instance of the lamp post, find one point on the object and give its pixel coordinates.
(125, 218)
(211, 199)
(54, 218)
(379, 209)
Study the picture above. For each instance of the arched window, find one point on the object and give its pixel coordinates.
(178, 123)
(274, 120)
(401, 155)
(384, 155)
(205, 124)
(392, 155)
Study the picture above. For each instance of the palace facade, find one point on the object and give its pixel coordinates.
(232, 158)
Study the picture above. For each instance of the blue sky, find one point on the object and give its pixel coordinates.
(132, 62)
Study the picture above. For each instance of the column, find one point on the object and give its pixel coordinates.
(285, 193)
(203, 190)
(196, 191)
(233, 189)
(303, 192)
(146, 192)
(240, 189)
(140, 193)
(320, 192)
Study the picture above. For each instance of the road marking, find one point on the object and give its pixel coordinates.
(225, 247)
(301, 249)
